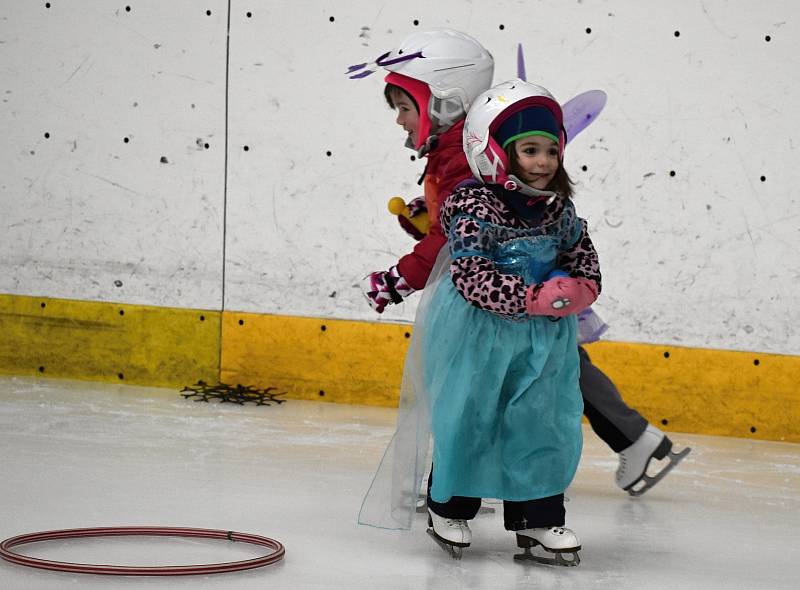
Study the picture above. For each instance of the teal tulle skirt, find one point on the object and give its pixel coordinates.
(504, 403)
(500, 397)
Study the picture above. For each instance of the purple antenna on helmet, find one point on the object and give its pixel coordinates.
(363, 74)
(383, 62)
(356, 67)
(521, 63)
(581, 110)
(380, 62)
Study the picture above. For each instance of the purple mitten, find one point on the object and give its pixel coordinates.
(560, 296)
(384, 287)
(417, 206)
(590, 326)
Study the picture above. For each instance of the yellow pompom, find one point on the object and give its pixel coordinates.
(397, 206)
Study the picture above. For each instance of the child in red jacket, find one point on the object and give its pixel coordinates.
(431, 95)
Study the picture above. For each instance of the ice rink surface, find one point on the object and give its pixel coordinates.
(78, 454)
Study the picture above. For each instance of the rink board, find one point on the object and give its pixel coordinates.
(316, 358)
(108, 342)
(703, 391)
(716, 392)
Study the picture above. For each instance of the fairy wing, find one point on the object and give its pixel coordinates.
(579, 111)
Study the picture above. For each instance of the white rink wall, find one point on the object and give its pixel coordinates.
(85, 214)
(708, 90)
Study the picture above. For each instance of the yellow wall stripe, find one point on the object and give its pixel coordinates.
(108, 342)
(717, 392)
(315, 359)
(682, 389)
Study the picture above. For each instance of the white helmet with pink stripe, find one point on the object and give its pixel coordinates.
(486, 157)
(452, 67)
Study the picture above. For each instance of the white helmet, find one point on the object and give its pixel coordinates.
(486, 158)
(453, 67)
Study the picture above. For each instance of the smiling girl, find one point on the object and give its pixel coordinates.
(499, 361)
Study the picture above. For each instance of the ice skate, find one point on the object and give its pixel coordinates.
(633, 461)
(556, 540)
(451, 534)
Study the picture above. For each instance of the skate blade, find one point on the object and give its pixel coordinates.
(649, 482)
(453, 551)
(557, 559)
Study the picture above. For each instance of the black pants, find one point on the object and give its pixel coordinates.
(609, 416)
(544, 512)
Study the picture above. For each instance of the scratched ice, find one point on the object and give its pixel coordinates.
(80, 454)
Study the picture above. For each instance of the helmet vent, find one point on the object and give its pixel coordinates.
(453, 68)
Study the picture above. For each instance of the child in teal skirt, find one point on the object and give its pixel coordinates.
(499, 357)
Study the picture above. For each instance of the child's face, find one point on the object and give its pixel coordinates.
(537, 160)
(407, 115)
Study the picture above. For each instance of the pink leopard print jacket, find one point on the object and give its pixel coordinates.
(476, 277)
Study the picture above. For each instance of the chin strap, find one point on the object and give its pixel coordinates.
(430, 144)
(515, 184)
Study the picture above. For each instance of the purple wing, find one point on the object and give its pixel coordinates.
(581, 110)
(521, 63)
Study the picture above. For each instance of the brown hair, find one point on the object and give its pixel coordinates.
(390, 89)
(561, 182)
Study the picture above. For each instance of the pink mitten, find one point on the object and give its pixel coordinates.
(385, 287)
(560, 296)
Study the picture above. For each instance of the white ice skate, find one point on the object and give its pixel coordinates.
(634, 460)
(451, 534)
(555, 540)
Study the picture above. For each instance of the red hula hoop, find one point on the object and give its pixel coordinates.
(143, 531)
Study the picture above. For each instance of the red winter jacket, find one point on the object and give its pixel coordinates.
(447, 166)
